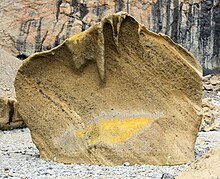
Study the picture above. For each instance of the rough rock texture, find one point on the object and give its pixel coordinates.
(205, 167)
(32, 26)
(115, 93)
(210, 113)
(8, 68)
(9, 116)
(211, 103)
(211, 83)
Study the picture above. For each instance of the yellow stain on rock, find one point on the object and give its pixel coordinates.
(76, 37)
(113, 131)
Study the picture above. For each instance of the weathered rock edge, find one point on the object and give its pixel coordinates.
(9, 115)
(77, 97)
(207, 166)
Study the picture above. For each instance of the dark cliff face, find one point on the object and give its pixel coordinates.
(195, 25)
(43, 25)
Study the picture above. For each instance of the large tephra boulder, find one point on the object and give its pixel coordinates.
(114, 93)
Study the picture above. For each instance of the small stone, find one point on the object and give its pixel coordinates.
(6, 169)
(126, 164)
(215, 80)
(206, 78)
(167, 176)
(208, 87)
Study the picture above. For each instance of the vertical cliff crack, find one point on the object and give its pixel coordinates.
(168, 17)
(174, 25)
(216, 19)
(128, 6)
(119, 4)
(58, 3)
(57, 39)
(38, 45)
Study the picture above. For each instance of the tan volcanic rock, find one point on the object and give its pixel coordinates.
(205, 167)
(209, 116)
(9, 115)
(115, 93)
(8, 68)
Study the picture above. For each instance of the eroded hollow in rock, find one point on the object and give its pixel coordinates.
(114, 93)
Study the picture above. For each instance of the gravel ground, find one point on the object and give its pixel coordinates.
(216, 99)
(19, 158)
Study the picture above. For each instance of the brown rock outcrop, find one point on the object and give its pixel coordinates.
(114, 93)
(9, 116)
(205, 167)
(209, 115)
(8, 68)
(31, 26)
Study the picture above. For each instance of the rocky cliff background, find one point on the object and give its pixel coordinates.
(29, 26)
